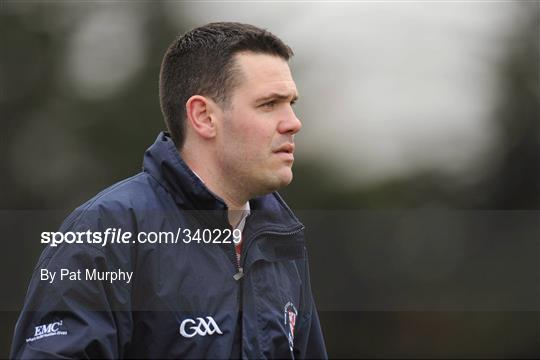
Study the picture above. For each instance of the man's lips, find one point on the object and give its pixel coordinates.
(286, 151)
(286, 148)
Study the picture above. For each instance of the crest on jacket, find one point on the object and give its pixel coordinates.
(289, 315)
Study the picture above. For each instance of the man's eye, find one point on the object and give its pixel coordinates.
(269, 104)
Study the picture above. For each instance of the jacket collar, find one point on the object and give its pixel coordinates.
(163, 162)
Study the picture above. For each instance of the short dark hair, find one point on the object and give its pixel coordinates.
(201, 62)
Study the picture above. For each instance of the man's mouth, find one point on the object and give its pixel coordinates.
(286, 151)
(286, 148)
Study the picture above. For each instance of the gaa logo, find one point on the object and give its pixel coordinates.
(189, 327)
(289, 314)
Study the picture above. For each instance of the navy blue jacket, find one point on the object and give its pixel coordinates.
(184, 300)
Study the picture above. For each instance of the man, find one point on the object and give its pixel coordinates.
(226, 93)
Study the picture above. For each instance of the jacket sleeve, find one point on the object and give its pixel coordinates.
(309, 341)
(77, 316)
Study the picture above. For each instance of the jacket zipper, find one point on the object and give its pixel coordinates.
(239, 269)
(238, 276)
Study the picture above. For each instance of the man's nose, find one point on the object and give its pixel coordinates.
(291, 124)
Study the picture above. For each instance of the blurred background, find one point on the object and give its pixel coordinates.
(417, 171)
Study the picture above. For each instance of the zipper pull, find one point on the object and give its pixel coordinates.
(239, 274)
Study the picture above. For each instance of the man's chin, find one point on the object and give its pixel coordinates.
(277, 182)
(285, 178)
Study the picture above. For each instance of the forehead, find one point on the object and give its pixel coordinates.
(262, 73)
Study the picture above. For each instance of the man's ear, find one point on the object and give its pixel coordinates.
(200, 112)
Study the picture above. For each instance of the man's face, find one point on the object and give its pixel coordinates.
(256, 143)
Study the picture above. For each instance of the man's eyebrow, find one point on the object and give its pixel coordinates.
(277, 96)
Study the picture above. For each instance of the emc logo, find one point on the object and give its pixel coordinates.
(189, 327)
(46, 330)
